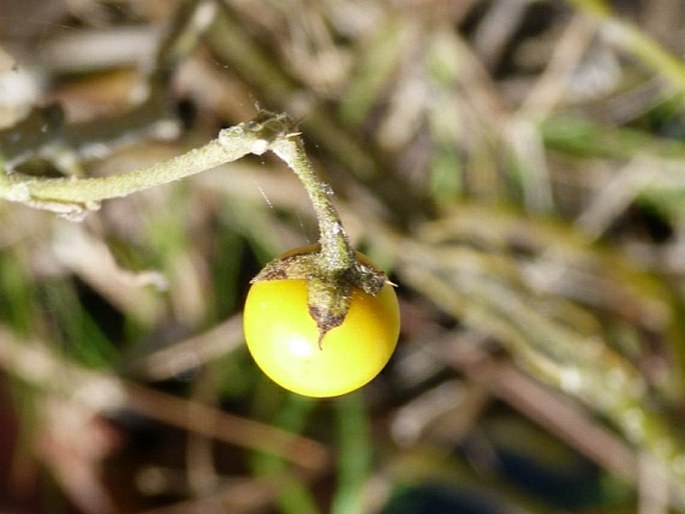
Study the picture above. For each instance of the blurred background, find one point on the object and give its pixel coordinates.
(518, 168)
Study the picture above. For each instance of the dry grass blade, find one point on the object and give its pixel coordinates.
(104, 393)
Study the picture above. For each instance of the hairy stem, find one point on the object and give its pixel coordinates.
(336, 251)
(267, 132)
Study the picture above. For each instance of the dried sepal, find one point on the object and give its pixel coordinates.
(328, 294)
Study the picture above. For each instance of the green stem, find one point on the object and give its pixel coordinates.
(50, 193)
(355, 456)
(267, 132)
(336, 251)
(231, 145)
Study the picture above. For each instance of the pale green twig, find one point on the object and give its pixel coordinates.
(62, 194)
(335, 248)
(73, 195)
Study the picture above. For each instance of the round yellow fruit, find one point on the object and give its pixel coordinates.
(284, 340)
